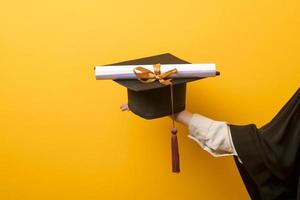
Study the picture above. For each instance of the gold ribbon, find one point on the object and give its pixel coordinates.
(147, 76)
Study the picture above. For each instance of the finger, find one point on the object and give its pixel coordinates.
(124, 107)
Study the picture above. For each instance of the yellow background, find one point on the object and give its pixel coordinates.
(62, 135)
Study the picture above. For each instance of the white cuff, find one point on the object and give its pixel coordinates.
(213, 136)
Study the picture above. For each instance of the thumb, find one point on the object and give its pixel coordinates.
(124, 107)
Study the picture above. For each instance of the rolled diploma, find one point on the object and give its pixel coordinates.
(183, 70)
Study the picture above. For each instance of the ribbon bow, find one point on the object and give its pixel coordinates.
(147, 76)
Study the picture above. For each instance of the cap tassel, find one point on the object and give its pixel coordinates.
(143, 73)
(175, 152)
(174, 141)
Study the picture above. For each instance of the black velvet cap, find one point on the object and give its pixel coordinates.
(152, 100)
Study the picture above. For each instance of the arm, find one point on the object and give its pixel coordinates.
(183, 117)
(213, 136)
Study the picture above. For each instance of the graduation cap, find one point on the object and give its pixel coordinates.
(157, 99)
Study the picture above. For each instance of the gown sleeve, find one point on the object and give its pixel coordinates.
(270, 154)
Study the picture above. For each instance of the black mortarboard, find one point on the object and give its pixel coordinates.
(154, 100)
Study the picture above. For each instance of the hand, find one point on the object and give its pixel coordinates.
(183, 117)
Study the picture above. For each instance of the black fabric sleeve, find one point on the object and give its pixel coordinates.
(270, 154)
(251, 186)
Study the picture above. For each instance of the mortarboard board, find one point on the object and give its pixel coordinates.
(154, 100)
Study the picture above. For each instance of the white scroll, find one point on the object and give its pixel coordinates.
(183, 71)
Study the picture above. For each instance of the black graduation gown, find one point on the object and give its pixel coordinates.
(271, 154)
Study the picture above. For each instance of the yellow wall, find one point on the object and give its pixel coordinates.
(62, 135)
